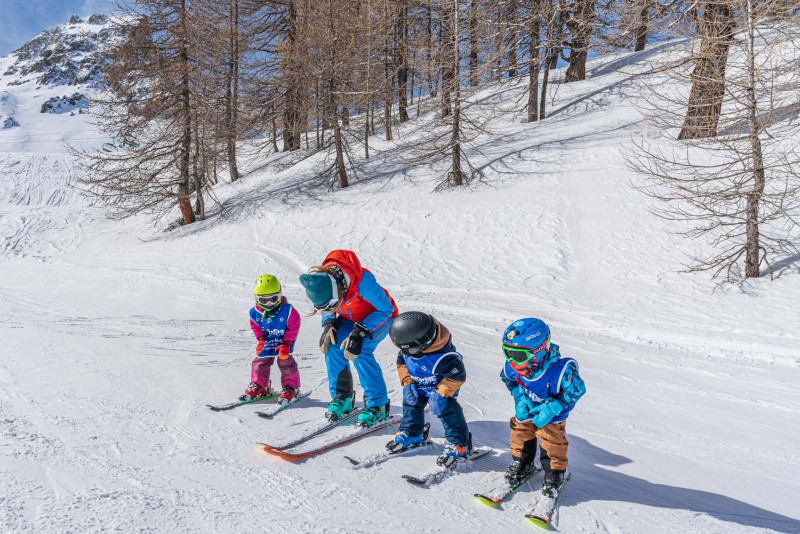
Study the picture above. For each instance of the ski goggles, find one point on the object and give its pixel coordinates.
(522, 355)
(268, 301)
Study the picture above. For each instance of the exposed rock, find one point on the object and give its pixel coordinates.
(9, 123)
(63, 56)
(65, 104)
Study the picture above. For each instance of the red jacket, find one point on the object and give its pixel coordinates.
(365, 301)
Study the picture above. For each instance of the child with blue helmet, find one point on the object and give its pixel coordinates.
(545, 388)
(431, 372)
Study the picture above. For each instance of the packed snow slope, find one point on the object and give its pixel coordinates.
(116, 334)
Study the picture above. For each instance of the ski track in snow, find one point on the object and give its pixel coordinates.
(115, 336)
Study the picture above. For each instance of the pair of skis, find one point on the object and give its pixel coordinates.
(433, 476)
(541, 514)
(286, 453)
(231, 405)
(268, 413)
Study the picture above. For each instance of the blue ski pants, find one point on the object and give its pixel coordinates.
(340, 378)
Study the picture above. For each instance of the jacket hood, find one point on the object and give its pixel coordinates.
(348, 262)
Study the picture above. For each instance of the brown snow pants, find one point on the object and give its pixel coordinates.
(552, 440)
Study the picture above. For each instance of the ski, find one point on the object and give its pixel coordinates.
(299, 441)
(387, 455)
(269, 414)
(360, 432)
(543, 509)
(439, 474)
(503, 491)
(232, 405)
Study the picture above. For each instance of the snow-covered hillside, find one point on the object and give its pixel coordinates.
(47, 83)
(116, 334)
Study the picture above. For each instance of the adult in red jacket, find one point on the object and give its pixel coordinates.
(356, 315)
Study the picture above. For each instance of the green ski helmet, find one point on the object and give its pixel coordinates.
(268, 292)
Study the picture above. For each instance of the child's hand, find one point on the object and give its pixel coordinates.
(437, 404)
(410, 395)
(544, 413)
(260, 345)
(283, 352)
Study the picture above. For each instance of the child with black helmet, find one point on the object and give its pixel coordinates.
(431, 373)
(545, 388)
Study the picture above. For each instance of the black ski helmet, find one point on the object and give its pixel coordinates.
(413, 332)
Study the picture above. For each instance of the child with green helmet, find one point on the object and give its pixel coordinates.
(275, 324)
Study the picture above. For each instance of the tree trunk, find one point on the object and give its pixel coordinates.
(366, 131)
(512, 39)
(644, 23)
(580, 26)
(232, 96)
(708, 76)
(551, 55)
(473, 43)
(429, 46)
(186, 113)
(291, 100)
(752, 245)
(402, 63)
(447, 67)
(533, 67)
(458, 174)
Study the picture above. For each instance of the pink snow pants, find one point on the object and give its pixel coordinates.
(290, 376)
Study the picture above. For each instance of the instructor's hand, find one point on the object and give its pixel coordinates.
(328, 334)
(352, 345)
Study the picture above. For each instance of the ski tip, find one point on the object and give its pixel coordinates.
(487, 501)
(352, 461)
(539, 522)
(280, 454)
(415, 481)
(264, 415)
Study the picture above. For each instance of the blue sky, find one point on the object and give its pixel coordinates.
(22, 19)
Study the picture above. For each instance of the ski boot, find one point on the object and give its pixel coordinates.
(338, 408)
(254, 391)
(519, 470)
(287, 395)
(542, 513)
(372, 415)
(553, 481)
(452, 453)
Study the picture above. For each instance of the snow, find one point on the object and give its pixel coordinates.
(116, 334)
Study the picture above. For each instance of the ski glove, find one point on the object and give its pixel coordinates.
(283, 352)
(544, 413)
(410, 395)
(352, 345)
(328, 334)
(522, 404)
(260, 346)
(437, 404)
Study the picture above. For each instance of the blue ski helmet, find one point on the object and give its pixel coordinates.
(526, 343)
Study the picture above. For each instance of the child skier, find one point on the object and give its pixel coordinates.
(356, 315)
(275, 324)
(545, 389)
(431, 373)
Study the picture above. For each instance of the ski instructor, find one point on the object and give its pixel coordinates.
(356, 315)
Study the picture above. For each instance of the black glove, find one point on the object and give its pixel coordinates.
(328, 333)
(352, 345)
